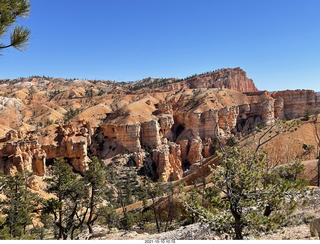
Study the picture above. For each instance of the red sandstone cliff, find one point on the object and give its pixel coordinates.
(233, 79)
(170, 127)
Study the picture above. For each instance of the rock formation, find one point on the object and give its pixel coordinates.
(71, 142)
(233, 79)
(23, 155)
(31, 153)
(297, 103)
(175, 125)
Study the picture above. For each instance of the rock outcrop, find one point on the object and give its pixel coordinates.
(179, 136)
(168, 162)
(11, 103)
(233, 79)
(13, 134)
(172, 128)
(31, 153)
(297, 103)
(71, 142)
(23, 155)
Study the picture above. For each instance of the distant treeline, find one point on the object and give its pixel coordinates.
(166, 81)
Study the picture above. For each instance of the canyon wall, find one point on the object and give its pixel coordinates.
(297, 103)
(172, 128)
(174, 138)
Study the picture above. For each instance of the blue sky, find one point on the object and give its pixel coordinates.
(277, 42)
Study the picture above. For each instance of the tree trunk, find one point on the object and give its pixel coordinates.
(72, 233)
(238, 230)
(169, 217)
(237, 223)
(60, 226)
(90, 221)
(60, 211)
(90, 227)
(65, 236)
(267, 211)
(238, 227)
(155, 214)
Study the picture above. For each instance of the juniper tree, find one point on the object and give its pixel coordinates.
(10, 11)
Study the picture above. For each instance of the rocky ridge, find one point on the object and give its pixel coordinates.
(173, 127)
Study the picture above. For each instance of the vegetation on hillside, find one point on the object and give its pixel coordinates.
(163, 81)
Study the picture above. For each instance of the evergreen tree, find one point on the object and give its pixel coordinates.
(70, 190)
(18, 205)
(95, 178)
(246, 195)
(154, 191)
(10, 11)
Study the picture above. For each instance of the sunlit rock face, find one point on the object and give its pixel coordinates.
(233, 79)
(297, 103)
(172, 125)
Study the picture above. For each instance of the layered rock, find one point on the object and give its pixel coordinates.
(176, 126)
(13, 134)
(233, 79)
(23, 155)
(297, 103)
(31, 153)
(11, 103)
(166, 122)
(168, 161)
(149, 135)
(195, 151)
(128, 135)
(72, 143)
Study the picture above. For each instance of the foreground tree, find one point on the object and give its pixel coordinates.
(10, 11)
(155, 191)
(70, 190)
(95, 178)
(246, 195)
(17, 207)
(78, 198)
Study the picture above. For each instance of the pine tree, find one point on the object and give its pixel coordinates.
(10, 11)
(248, 196)
(70, 190)
(154, 191)
(247, 193)
(95, 178)
(18, 205)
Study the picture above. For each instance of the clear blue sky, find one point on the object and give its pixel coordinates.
(277, 42)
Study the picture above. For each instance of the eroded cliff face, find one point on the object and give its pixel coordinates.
(297, 103)
(180, 131)
(25, 154)
(31, 153)
(188, 126)
(233, 79)
(173, 128)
